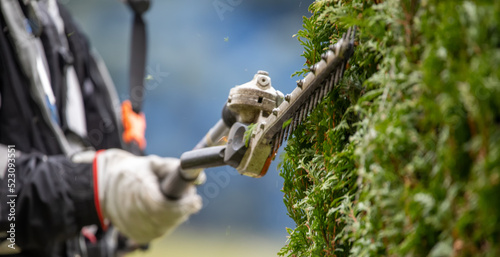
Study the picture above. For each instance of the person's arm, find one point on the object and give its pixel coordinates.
(56, 197)
(53, 198)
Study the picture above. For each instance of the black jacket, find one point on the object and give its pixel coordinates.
(54, 198)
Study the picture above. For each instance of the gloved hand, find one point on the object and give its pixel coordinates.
(130, 197)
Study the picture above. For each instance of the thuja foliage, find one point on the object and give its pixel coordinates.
(403, 157)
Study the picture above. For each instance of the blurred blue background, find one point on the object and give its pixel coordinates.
(198, 51)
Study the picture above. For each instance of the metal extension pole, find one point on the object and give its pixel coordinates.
(192, 163)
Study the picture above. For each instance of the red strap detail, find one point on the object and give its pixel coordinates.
(96, 192)
(89, 235)
(134, 125)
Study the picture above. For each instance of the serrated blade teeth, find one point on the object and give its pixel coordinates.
(301, 112)
(280, 137)
(305, 109)
(294, 124)
(285, 134)
(316, 98)
(320, 96)
(275, 142)
(310, 104)
(342, 69)
(322, 90)
(337, 76)
(326, 87)
(330, 81)
(313, 103)
(325, 75)
(353, 34)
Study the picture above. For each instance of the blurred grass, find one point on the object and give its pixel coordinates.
(216, 243)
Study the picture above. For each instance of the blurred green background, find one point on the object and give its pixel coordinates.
(198, 51)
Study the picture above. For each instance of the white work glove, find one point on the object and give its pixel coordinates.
(130, 197)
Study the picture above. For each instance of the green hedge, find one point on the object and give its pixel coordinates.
(403, 157)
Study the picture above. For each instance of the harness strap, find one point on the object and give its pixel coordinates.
(138, 48)
(30, 53)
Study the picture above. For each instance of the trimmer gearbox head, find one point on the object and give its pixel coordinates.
(254, 98)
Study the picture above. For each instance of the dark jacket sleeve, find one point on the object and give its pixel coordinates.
(55, 199)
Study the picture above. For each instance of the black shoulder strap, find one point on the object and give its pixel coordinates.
(138, 53)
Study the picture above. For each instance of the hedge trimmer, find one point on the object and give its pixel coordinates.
(256, 119)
